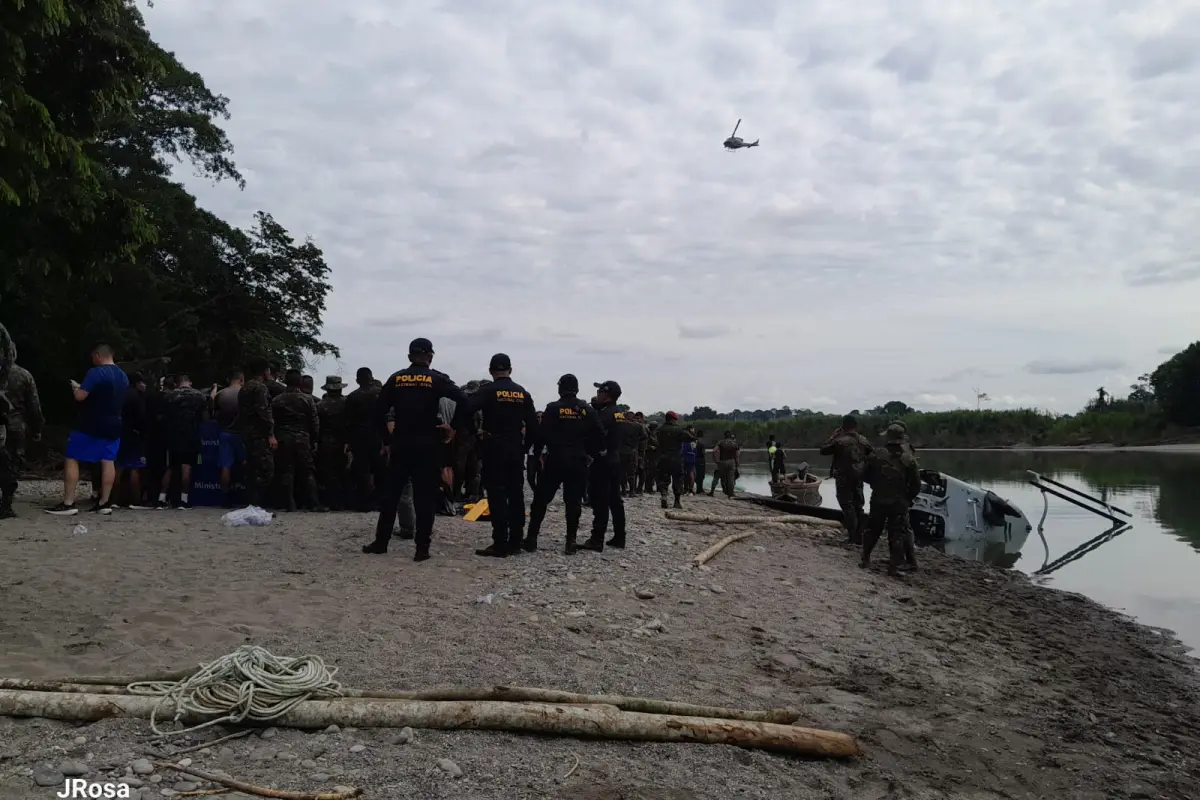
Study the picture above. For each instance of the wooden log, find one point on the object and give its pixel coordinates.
(249, 788)
(512, 694)
(708, 554)
(539, 718)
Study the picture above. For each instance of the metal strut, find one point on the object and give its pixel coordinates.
(1098, 506)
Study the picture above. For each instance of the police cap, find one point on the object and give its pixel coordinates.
(568, 383)
(420, 346)
(610, 388)
(500, 363)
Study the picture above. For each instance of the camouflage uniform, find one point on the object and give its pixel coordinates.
(850, 451)
(899, 432)
(895, 481)
(631, 433)
(669, 469)
(297, 427)
(25, 418)
(8, 475)
(331, 453)
(726, 471)
(467, 480)
(651, 464)
(257, 425)
(638, 486)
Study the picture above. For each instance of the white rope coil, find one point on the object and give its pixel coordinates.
(249, 684)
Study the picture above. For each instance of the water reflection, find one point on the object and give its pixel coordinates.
(1149, 570)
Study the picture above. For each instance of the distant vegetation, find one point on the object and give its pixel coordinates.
(1163, 406)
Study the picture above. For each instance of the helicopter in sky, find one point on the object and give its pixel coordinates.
(734, 142)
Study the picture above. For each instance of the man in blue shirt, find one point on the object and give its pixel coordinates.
(96, 437)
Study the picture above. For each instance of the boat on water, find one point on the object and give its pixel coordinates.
(800, 487)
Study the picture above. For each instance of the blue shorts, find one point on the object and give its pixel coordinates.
(91, 450)
(232, 450)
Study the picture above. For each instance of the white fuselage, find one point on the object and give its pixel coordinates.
(951, 510)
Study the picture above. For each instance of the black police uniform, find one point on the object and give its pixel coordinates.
(570, 432)
(605, 477)
(508, 425)
(416, 445)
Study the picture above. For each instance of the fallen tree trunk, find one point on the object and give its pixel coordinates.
(708, 554)
(540, 718)
(512, 694)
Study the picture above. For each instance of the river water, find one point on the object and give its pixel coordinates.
(1151, 571)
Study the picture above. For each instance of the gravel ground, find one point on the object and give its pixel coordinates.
(960, 682)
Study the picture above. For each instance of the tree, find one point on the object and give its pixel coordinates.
(1141, 393)
(703, 412)
(1176, 385)
(99, 244)
(892, 408)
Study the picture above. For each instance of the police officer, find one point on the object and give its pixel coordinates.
(508, 428)
(416, 440)
(571, 436)
(605, 478)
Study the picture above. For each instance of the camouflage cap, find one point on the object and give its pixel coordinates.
(894, 434)
(472, 386)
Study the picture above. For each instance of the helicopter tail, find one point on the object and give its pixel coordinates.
(753, 144)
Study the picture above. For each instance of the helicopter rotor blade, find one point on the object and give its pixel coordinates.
(735, 127)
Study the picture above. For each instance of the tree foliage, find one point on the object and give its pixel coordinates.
(1161, 405)
(99, 243)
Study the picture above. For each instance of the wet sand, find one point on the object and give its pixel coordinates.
(961, 682)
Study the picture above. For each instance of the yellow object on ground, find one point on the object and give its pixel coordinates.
(476, 511)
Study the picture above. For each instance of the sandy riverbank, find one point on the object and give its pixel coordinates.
(964, 682)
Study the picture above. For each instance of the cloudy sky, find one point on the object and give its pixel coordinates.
(948, 195)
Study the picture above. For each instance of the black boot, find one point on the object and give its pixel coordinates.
(595, 543)
(677, 503)
(571, 548)
(515, 545)
(664, 501)
(421, 554)
(405, 534)
(6, 508)
(376, 547)
(530, 543)
(493, 551)
(617, 541)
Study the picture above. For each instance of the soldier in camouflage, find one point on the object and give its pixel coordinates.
(850, 450)
(298, 429)
(651, 463)
(895, 481)
(669, 470)
(334, 445)
(631, 434)
(24, 422)
(638, 484)
(257, 424)
(366, 444)
(728, 461)
(899, 431)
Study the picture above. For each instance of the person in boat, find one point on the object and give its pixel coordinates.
(850, 450)
(772, 448)
(779, 461)
(895, 482)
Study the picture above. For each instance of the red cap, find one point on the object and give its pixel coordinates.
(672, 415)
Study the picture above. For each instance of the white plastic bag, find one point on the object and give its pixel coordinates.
(250, 515)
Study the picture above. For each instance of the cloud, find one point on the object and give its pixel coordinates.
(821, 401)
(703, 331)
(967, 374)
(1169, 350)
(939, 196)
(1067, 367)
(937, 400)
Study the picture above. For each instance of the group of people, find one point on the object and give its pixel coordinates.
(895, 480)
(414, 444)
